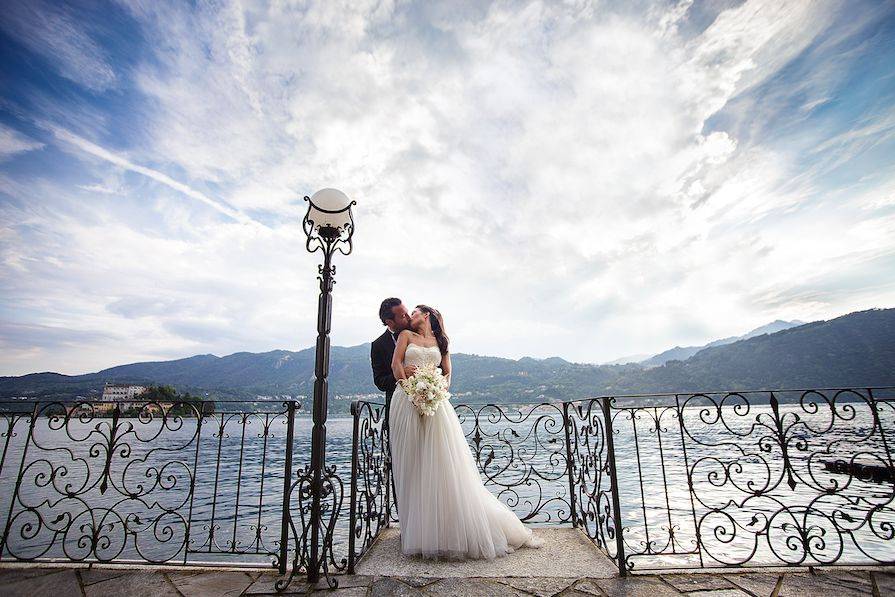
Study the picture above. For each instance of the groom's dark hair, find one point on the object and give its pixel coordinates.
(385, 309)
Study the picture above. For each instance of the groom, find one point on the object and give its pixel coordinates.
(393, 315)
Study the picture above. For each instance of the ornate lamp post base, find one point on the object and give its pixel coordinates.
(329, 226)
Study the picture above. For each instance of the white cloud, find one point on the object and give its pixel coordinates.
(100, 188)
(549, 175)
(86, 146)
(13, 142)
(52, 31)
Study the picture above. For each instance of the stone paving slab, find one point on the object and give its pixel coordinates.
(631, 586)
(471, 587)
(11, 575)
(49, 583)
(885, 581)
(265, 584)
(95, 575)
(755, 583)
(225, 584)
(686, 583)
(541, 587)
(133, 584)
(810, 585)
(566, 552)
(43, 582)
(393, 586)
(416, 581)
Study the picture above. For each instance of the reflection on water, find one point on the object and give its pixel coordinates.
(219, 499)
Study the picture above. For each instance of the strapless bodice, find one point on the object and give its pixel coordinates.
(419, 355)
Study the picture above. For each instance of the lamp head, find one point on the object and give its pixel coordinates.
(329, 220)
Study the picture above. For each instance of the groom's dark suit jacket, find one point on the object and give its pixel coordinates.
(381, 351)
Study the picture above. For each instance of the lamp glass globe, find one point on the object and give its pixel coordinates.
(325, 201)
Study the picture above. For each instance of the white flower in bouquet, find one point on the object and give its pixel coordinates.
(426, 389)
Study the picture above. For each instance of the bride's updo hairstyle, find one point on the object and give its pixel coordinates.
(437, 323)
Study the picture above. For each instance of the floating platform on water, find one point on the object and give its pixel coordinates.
(867, 472)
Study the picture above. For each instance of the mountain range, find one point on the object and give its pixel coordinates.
(857, 349)
(682, 353)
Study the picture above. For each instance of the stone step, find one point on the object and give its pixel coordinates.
(567, 552)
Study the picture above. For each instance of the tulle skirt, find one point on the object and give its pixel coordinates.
(444, 509)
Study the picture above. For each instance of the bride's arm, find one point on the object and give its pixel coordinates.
(398, 357)
(446, 367)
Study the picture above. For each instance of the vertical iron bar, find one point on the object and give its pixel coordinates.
(352, 518)
(242, 444)
(569, 465)
(15, 492)
(12, 423)
(664, 476)
(261, 489)
(386, 449)
(318, 432)
(781, 436)
(385, 445)
(189, 519)
(287, 485)
(879, 423)
(217, 474)
(680, 420)
(617, 516)
(649, 548)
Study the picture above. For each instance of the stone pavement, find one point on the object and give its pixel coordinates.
(568, 565)
(89, 582)
(567, 552)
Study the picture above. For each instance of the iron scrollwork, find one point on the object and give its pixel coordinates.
(370, 487)
(790, 477)
(521, 455)
(728, 479)
(301, 526)
(591, 474)
(93, 484)
(138, 482)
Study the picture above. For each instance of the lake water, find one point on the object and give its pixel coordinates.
(147, 491)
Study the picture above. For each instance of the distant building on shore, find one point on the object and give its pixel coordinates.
(121, 391)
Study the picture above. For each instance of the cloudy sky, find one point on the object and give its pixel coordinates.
(581, 179)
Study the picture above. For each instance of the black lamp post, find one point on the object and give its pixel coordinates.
(329, 226)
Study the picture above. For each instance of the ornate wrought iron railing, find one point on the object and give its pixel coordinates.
(143, 482)
(522, 456)
(709, 479)
(371, 499)
(592, 474)
(737, 479)
(726, 479)
(298, 522)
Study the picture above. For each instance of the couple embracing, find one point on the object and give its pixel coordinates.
(444, 509)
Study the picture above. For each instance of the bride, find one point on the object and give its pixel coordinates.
(445, 511)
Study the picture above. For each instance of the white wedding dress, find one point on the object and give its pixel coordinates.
(444, 509)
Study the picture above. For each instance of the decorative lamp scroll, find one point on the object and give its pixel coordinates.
(329, 222)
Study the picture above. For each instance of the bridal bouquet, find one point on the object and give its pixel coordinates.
(426, 389)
